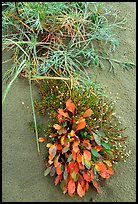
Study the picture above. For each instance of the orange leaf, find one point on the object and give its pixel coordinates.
(52, 150)
(96, 185)
(88, 113)
(87, 154)
(87, 186)
(73, 155)
(56, 163)
(81, 125)
(110, 170)
(108, 163)
(75, 147)
(41, 139)
(61, 112)
(57, 127)
(79, 158)
(71, 186)
(80, 190)
(104, 174)
(70, 106)
(58, 178)
(100, 167)
(58, 169)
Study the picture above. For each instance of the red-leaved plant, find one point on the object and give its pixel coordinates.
(74, 157)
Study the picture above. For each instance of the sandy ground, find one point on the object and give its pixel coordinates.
(22, 168)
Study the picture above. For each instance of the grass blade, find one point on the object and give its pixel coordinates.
(22, 65)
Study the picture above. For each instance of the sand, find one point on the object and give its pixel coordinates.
(22, 167)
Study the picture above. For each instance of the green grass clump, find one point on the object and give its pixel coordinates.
(65, 37)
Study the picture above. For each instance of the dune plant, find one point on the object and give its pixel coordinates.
(84, 139)
(75, 32)
(63, 39)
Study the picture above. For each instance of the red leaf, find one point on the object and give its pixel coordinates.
(71, 165)
(76, 168)
(57, 127)
(52, 150)
(58, 169)
(57, 179)
(87, 176)
(70, 106)
(92, 174)
(61, 112)
(96, 185)
(81, 166)
(87, 154)
(81, 125)
(87, 144)
(52, 135)
(88, 113)
(71, 187)
(80, 190)
(98, 148)
(59, 147)
(60, 118)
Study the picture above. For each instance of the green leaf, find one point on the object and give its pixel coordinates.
(95, 172)
(69, 158)
(95, 153)
(105, 145)
(65, 124)
(87, 163)
(62, 167)
(47, 171)
(65, 174)
(62, 184)
(52, 171)
(65, 149)
(74, 176)
(97, 139)
(100, 133)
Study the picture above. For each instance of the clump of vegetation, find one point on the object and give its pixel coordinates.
(84, 139)
(54, 44)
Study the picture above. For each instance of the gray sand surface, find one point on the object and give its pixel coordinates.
(22, 167)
